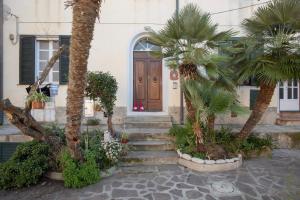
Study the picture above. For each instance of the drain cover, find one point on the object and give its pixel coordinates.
(224, 188)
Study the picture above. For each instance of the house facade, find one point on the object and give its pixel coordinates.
(34, 29)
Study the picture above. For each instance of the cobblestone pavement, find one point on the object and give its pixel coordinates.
(276, 178)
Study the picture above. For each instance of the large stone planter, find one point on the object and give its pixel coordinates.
(209, 165)
(57, 176)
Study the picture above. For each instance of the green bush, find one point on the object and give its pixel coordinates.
(26, 166)
(231, 144)
(184, 138)
(92, 122)
(102, 87)
(93, 141)
(76, 174)
(185, 141)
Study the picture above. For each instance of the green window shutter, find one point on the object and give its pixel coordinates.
(64, 60)
(27, 60)
(253, 96)
(1, 117)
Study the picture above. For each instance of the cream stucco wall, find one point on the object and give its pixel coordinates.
(120, 22)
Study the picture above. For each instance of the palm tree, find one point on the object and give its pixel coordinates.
(270, 53)
(84, 17)
(210, 100)
(189, 39)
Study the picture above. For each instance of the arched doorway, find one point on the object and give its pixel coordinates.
(147, 77)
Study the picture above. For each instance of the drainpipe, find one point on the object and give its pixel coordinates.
(1, 57)
(181, 93)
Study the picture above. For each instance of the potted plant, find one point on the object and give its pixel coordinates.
(38, 100)
(124, 138)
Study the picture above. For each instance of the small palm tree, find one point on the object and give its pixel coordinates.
(189, 40)
(210, 100)
(270, 53)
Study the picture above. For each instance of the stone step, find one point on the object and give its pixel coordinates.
(288, 121)
(290, 114)
(148, 134)
(144, 124)
(162, 118)
(149, 158)
(151, 145)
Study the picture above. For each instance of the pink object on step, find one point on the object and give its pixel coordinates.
(135, 107)
(141, 106)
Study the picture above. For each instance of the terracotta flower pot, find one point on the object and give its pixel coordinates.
(124, 141)
(37, 105)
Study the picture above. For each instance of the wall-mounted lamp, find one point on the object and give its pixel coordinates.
(14, 38)
(11, 37)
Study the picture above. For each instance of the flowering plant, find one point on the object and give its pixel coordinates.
(112, 150)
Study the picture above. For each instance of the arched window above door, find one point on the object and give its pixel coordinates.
(145, 45)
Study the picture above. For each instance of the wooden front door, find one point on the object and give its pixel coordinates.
(147, 81)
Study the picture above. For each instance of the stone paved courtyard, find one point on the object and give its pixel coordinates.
(276, 178)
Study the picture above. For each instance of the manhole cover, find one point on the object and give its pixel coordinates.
(223, 187)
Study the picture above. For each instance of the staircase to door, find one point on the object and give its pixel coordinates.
(149, 141)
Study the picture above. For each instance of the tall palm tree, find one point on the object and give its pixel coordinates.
(84, 17)
(189, 39)
(270, 53)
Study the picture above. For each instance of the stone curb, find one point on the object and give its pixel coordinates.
(209, 165)
(57, 176)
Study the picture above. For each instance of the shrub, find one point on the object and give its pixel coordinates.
(232, 144)
(185, 141)
(106, 154)
(102, 87)
(92, 141)
(92, 122)
(76, 174)
(184, 138)
(26, 166)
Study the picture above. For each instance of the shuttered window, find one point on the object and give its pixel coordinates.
(45, 50)
(27, 60)
(64, 60)
(34, 55)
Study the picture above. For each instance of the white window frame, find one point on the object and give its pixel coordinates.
(37, 58)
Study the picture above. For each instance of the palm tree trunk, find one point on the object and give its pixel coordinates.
(199, 136)
(189, 72)
(84, 17)
(191, 111)
(211, 123)
(262, 103)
